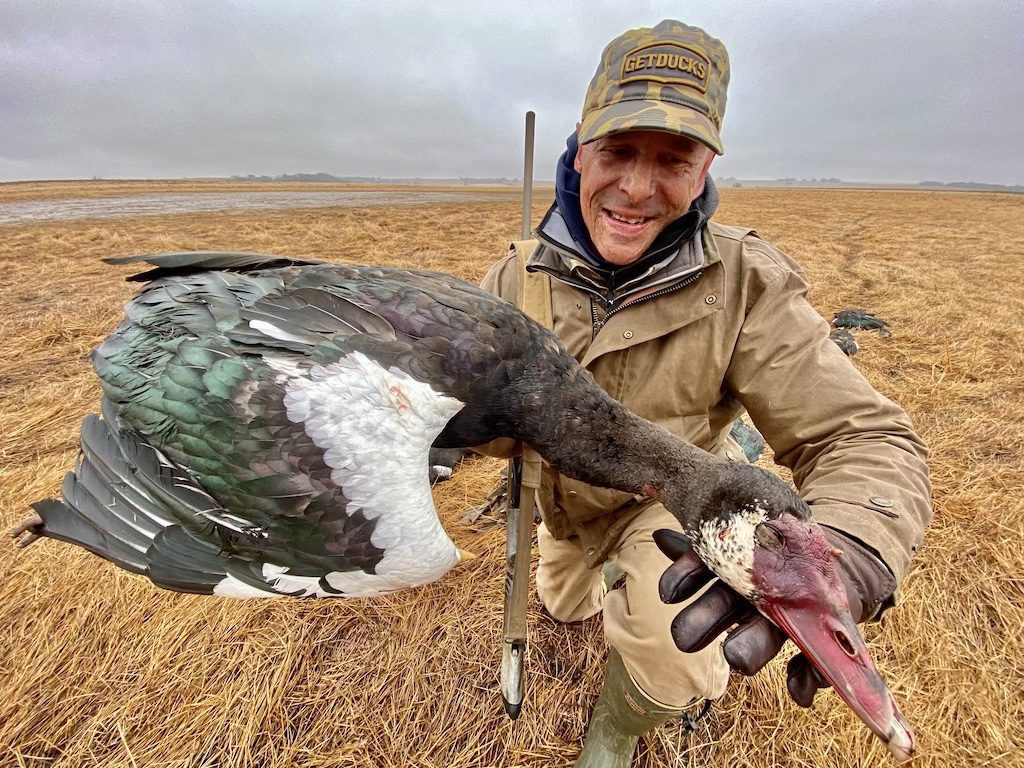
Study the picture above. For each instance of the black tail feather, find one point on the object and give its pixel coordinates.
(63, 523)
(186, 262)
(128, 504)
(250, 573)
(183, 563)
(107, 461)
(86, 493)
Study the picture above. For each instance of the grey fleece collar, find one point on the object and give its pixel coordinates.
(559, 258)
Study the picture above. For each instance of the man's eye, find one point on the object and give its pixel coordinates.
(615, 150)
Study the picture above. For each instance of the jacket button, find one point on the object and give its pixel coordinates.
(710, 298)
(881, 501)
(572, 494)
(627, 334)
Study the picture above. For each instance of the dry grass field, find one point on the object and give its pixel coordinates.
(100, 668)
(49, 190)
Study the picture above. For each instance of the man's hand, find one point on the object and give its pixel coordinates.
(755, 640)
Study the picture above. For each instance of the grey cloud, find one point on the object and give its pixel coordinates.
(893, 91)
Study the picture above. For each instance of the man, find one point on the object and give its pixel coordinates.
(689, 323)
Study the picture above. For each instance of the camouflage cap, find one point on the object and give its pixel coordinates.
(670, 78)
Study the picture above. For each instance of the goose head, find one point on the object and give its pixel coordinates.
(757, 536)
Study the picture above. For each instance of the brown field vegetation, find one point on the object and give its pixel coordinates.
(98, 667)
(47, 190)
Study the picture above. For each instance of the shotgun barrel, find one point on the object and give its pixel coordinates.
(519, 525)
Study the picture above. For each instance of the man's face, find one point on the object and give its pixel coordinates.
(634, 184)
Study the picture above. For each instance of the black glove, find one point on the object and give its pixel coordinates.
(869, 586)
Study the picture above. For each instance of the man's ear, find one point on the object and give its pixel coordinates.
(704, 174)
(577, 162)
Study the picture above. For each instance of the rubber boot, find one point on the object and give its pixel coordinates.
(621, 716)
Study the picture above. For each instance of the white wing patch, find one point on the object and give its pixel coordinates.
(271, 330)
(375, 426)
(284, 367)
(232, 587)
(727, 546)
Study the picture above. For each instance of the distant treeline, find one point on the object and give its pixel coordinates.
(974, 185)
(306, 177)
(730, 181)
(323, 177)
(724, 182)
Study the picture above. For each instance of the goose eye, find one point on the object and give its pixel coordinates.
(768, 537)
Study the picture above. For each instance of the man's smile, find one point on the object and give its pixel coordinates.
(624, 223)
(626, 219)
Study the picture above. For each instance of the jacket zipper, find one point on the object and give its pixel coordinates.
(599, 324)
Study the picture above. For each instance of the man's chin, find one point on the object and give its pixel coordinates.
(620, 243)
(621, 252)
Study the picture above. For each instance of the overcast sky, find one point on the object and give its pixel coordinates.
(880, 91)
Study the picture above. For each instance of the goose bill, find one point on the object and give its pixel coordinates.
(827, 635)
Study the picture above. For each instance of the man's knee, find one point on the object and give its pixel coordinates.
(569, 591)
(672, 678)
(639, 625)
(570, 605)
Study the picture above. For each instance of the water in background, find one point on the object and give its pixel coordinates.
(26, 211)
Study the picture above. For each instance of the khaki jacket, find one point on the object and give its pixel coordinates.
(742, 336)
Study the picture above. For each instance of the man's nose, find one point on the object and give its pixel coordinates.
(637, 183)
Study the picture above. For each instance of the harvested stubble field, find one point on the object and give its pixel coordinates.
(101, 668)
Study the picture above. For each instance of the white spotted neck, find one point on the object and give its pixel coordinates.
(726, 545)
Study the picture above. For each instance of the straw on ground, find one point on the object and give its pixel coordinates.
(101, 668)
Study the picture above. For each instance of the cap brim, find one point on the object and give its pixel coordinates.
(648, 115)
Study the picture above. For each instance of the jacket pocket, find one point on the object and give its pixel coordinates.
(583, 502)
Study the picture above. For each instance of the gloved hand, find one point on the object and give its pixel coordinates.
(869, 586)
